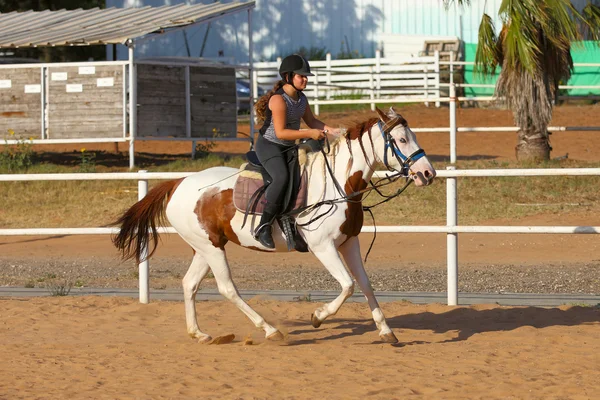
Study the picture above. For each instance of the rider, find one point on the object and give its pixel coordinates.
(281, 109)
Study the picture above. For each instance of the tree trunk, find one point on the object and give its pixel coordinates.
(533, 146)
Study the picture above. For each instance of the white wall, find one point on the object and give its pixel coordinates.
(280, 27)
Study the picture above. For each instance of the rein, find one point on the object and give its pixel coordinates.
(404, 161)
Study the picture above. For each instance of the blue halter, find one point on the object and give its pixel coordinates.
(390, 143)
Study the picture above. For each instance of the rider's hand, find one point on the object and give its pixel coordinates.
(334, 132)
(316, 134)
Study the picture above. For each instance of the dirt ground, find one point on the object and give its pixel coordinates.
(96, 347)
(107, 348)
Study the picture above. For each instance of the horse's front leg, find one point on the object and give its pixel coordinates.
(330, 258)
(351, 252)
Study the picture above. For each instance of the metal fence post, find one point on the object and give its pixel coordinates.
(436, 66)
(328, 61)
(43, 97)
(451, 67)
(378, 71)
(372, 88)
(132, 105)
(144, 267)
(452, 239)
(426, 85)
(452, 108)
(316, 103)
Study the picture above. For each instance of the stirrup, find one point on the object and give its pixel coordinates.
(260, 228)
(270, 244)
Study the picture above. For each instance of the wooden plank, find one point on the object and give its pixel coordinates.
(80, 132)
(83, 97)
(75, 118)
(161, 130)
(114, 107)
(166, 101)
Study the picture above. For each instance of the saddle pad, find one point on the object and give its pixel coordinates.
(249, 182)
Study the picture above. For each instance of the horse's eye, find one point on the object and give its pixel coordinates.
(402, 140)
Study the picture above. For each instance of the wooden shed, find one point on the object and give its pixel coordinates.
(186, 98)
(119, 100)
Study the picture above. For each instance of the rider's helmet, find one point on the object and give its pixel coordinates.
(295, 64)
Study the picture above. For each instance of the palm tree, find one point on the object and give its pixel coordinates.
(533, 50)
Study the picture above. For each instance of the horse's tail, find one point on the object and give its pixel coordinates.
(139, 223)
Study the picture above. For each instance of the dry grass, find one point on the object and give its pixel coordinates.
(97, 203)
(485, 199)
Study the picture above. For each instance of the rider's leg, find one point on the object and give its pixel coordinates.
(273, 159)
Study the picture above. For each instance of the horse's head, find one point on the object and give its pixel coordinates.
(401, 150)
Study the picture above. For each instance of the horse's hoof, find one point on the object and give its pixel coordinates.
(203, 339)
(275, 336)
(316, 322)
(223, 339)
(389, 338)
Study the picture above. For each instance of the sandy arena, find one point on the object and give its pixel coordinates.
(99, 347)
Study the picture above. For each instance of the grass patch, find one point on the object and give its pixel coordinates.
(59, 286)
(487, 198)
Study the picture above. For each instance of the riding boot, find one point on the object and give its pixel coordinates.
(264, 232)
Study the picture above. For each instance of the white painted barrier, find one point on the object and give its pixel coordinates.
(451, 229)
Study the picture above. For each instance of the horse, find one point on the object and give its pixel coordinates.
(201, 209)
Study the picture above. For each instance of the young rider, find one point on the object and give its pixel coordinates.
(282, 108)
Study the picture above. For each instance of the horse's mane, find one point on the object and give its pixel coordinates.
(360, 127)
(354, 132)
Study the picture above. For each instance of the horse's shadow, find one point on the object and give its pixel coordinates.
(466, 322)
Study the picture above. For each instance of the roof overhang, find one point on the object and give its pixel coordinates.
(105, 26)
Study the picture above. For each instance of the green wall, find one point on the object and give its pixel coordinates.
(582, 52)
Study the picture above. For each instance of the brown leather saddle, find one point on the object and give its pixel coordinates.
(249, 196)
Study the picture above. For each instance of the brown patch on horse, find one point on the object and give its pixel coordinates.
(357, 130)
(354, 213)
(215, 210)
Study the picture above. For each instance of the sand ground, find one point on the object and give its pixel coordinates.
(94, 347)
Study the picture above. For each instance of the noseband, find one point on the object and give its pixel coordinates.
(404, 161)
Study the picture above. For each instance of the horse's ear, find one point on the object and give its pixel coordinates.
(392, 113)
(382, 115)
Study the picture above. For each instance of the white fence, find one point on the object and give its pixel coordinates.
(362, 78)
(451, 229)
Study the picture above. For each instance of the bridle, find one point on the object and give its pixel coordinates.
(404, 161)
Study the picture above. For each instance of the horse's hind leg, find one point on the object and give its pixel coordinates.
(351, 253)
(220, 269)
(191, 282)
(330, 258)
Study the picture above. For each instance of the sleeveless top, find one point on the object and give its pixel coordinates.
(295, 111)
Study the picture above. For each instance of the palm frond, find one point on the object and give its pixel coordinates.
(590, 16)
(520, 46)
(559, 26)
(488, 54)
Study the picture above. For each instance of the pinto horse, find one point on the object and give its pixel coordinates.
(200, 208)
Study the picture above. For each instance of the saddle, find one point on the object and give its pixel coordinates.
(249, 196)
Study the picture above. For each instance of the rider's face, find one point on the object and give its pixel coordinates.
(300, 81)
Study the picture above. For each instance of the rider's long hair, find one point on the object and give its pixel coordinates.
(261, 105)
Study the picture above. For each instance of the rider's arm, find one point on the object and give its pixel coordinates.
(312, 122)
(279, 110)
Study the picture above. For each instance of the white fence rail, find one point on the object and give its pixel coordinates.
(451, 229)
(379, 80)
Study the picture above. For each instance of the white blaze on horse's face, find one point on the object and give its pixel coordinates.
(421, 171)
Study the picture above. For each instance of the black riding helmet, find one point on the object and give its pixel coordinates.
(295, 64)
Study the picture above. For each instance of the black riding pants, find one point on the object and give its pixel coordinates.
(279, 160)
